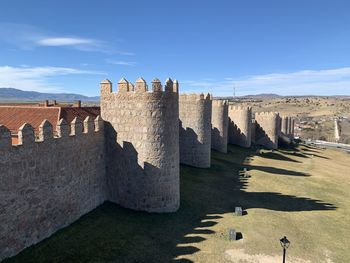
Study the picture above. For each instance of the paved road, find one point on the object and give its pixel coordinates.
(342, 146)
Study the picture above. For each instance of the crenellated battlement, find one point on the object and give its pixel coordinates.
(267, 114)
(219, 121)
(239, 108)
(267, 129)
(195, 112)
(239, 128)
(59, 167)
(142, 141)
(26, 133)
(130, 157)
(220, 103)
(191, 97)
(140, 87)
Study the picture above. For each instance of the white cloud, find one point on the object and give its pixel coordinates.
(122, 63)
(306, 82)
(65, 41)
(29, 37)
(36, 78)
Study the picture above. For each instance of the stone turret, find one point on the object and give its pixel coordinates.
(142, 144)
(240, 121)
(284, 125)
(219, 132)
(195, 129)
(266, 129)
(288, 126)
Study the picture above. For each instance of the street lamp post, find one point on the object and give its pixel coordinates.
(285, 244)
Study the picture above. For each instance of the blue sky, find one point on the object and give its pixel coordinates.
(289, 47)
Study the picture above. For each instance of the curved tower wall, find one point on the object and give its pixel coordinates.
(285, 125)
(195, 129)
(253, 129)
(240, 125)
(290, 127)
(142, 144)
(219, 130)
(266, 130)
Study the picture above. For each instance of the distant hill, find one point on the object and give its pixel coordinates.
(256, 96)
(10, 94)
(262, 96)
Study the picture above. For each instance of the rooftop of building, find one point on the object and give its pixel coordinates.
(13, 116)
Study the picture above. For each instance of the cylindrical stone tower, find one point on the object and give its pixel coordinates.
(219, 130)
(195, 129)
(285, 123)
(142, 144)
(289, 127)
(266, 130)
(240, 122)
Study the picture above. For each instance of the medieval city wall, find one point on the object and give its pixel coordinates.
(285, 136)
(142, 142)
(195, 112)
(290, 128)
(253, 129)
(219, 130)
(48, 182)
(240, 125)
(266, 129)
(285, 125)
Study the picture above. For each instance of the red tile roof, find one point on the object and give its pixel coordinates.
(69, 113)
(13, 117)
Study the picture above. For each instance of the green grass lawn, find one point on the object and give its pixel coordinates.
(303, 194)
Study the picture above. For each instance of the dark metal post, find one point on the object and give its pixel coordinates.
(285, 244)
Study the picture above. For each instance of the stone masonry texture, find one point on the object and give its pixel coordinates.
(142, 141)
(47, 183)
(219, 130)
(240, 125)
(267, 129)
(130, 156)
(195, 129)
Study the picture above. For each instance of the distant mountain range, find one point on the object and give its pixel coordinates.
(10, 94)
(256, 96)
(262, 95)
(17, 95)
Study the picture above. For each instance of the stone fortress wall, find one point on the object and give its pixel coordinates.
(252, 132)
(285, 125)
(288, 126)
(266, 129)
(142, 144)
(195, 112)
(131, 158)
(240, 125)
(47, 183)
(219, 130)
(291, 127)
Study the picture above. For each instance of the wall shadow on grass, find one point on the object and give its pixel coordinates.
(306, 152)
(114, 234)
(277, 156)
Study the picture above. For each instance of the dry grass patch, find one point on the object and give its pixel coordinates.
(302, 193)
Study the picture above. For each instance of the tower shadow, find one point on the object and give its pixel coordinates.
(111, 233)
